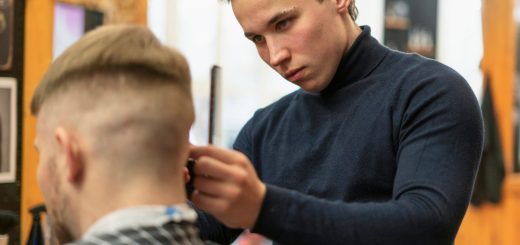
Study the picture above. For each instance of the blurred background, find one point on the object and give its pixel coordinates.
(477, 38)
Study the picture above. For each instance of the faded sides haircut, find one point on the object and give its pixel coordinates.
(125, 92)
(132, 51)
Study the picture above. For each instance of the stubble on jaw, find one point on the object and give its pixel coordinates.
(59, 232)
(57, 207)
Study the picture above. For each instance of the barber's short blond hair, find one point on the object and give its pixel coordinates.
(131, 51)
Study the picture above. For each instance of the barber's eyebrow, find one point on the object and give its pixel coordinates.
(280, 15)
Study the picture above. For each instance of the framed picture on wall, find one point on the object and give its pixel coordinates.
(7, 129)
(6, 34)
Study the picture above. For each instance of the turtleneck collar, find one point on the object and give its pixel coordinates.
(358, 62)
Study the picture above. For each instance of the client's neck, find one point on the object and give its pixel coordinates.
(105, 197)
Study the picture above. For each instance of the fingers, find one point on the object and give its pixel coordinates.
(216, 188)
(208, 203)
(227, 186)
(186, 175)
(225, 156)
(218, 179)
(217, 169)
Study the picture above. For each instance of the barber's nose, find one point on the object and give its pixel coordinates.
(278, 53)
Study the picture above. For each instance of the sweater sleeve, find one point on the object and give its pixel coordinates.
(439, 146)
(212, 230)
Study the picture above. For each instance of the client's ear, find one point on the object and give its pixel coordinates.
(69, 148)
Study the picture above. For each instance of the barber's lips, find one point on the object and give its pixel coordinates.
(294, 75)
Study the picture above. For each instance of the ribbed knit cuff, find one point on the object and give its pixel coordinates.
(274, 211)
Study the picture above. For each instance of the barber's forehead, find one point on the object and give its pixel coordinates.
(255, 14)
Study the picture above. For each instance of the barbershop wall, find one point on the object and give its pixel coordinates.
(10, 186)
(498, 223)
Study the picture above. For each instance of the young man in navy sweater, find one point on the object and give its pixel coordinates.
(377, 147)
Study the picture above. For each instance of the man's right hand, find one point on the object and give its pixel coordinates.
(227, 186)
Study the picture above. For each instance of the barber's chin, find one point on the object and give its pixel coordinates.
(310, 86)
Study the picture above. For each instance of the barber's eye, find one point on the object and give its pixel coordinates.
(282, 25)
(257, 39)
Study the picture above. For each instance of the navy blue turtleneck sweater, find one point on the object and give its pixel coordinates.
(386, 154)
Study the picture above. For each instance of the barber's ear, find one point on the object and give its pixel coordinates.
(342, 5)
(70, 151)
